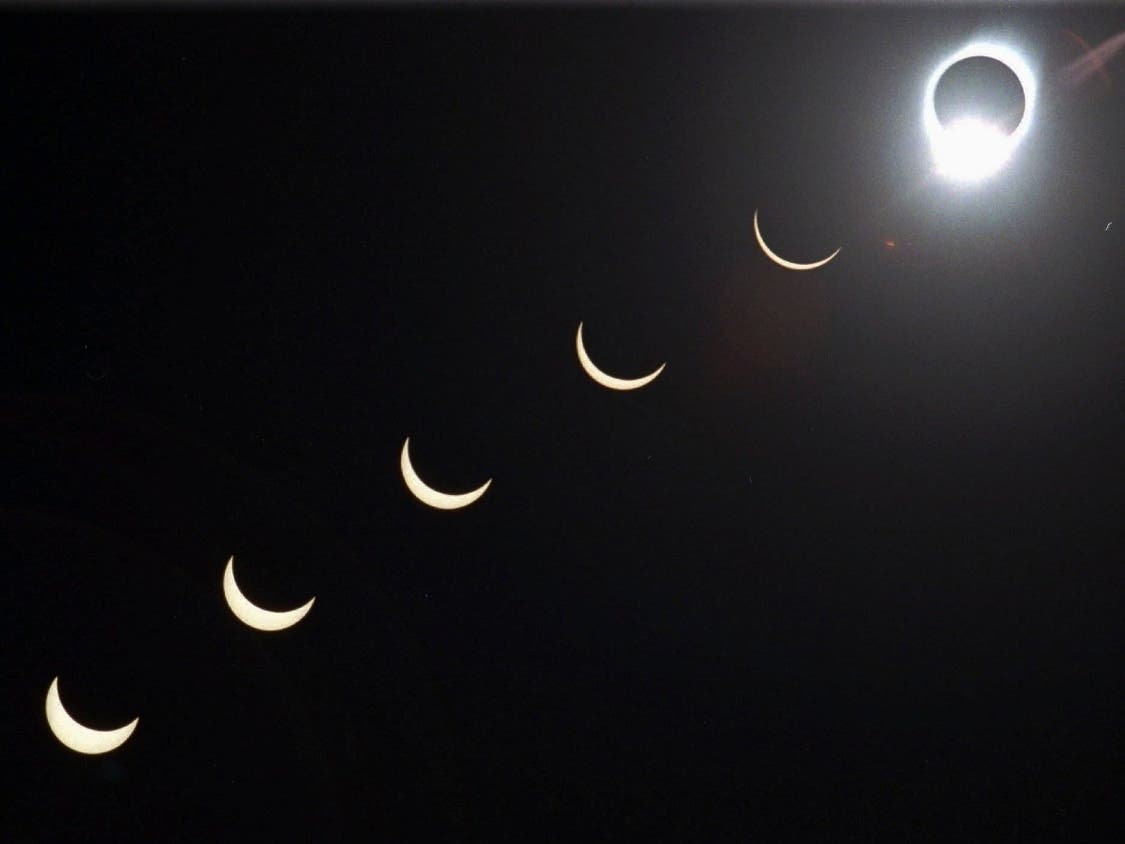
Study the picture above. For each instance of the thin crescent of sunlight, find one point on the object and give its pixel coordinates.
(251, 614)
(78, 737)
(433, 497)
(777, 259)
(604, 378)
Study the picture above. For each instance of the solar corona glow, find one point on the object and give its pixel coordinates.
(969, 149)
(78, 737)
(604, 378)
(254, 616)
(782, 262)
(427, 494)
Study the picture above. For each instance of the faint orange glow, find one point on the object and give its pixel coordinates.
(889, 244)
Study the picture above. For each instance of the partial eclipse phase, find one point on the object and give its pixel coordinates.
(254, 616)
(604, 378)
(427, 494)
(80, 738)
(782, 262)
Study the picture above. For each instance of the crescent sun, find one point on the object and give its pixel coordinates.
(777, 259)
(605, 379)
(254, 616)
(427, 494)
(78, 737)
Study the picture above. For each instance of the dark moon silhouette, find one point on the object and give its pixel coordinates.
(980, 87)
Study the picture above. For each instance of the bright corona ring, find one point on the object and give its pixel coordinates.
(968, 149)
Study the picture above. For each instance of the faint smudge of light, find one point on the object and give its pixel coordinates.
(888, 244)
(968, 149)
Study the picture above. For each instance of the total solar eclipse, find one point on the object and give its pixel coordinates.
(974, 131)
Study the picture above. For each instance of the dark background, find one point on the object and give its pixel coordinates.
(849, 569)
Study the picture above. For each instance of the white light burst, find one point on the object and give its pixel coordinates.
(971, 150)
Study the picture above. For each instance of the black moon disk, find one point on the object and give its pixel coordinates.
(980, 87)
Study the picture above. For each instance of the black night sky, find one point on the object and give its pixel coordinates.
(850, 569)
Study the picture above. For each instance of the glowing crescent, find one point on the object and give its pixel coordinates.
(254, 616)
(427, 494)
(77, 737)
(605, 379)
(777, 259)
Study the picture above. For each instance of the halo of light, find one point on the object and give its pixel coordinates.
(989, 147)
